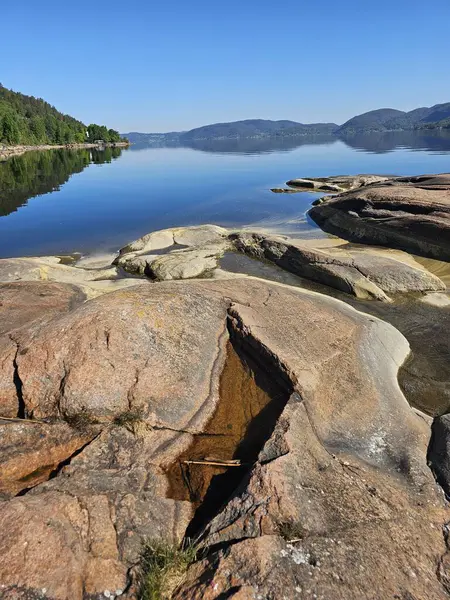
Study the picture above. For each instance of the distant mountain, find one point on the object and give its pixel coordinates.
(256, 128)
(372, 120)
(249, 129)
(389, 119)
(382, 119)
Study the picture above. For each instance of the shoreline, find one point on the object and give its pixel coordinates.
(10, 151)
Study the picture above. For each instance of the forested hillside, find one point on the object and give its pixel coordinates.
(388, 119)
(30, 120)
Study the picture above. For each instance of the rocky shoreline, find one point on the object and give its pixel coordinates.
(161, 397)
(7, 152)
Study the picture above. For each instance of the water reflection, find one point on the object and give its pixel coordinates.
(37, 173)
(435, 141)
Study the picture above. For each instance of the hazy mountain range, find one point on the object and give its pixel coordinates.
(383, 119)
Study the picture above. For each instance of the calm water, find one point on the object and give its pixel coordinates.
(64, 201)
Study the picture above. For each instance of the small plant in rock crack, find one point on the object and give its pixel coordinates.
(81, 420)
(163, 568)
(128, 418)
(292, 531)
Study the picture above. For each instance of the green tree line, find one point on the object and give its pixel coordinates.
(29, 120)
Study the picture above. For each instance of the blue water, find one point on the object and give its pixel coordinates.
(106, 205)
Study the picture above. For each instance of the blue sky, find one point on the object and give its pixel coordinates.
(164, 66)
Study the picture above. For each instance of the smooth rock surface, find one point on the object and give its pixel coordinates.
(184, 236)
(341, 501)
(24, 304)
(341, 488)
(359, 272)
(145, 349)
(93, 282)
(178, 264)
(189, 252)
(411, 213)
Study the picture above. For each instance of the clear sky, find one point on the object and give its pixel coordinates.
(149, 65)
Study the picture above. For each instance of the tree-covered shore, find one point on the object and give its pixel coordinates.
(26, 120)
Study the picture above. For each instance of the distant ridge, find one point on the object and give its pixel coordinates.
(383, 119)
(248, 129)
(389, 119)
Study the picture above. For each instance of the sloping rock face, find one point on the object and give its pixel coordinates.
(24, 304)
(361, 273)
(93, 282)
(339, 503)
(135, 377)
(128, 351)
(178, 253)
(412, 214)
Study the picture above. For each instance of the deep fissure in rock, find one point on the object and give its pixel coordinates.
(253, 395)
(21, 410)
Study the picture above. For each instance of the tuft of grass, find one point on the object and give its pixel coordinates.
(163, 568)
(292, 530)
(128, 418)
(81, 420)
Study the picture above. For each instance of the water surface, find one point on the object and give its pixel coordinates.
(63, 201)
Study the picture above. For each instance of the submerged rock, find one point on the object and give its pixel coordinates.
(410, 213)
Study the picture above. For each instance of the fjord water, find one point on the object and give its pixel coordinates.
(65, 201)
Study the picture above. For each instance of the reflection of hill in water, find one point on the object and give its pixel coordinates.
(382, 142)
(260, 146)
(41, 172)
(376, 142)
(245, 146)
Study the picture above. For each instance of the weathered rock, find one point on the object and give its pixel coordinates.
(361, 273)
(338, 183)
(93, 282)
(178, 264)
(59, 546)
(22, 304)
(345, 461)
(144, 349)
(167, 344)
(186, 264)
(185, 236)
(408, 213)
(341, 502)
(30, 451)
(190, 252)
